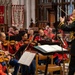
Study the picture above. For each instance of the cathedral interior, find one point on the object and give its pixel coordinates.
(28, 24)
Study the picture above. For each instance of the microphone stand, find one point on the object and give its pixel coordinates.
(61, 44)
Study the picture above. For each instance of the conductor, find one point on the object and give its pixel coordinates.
(71, 28)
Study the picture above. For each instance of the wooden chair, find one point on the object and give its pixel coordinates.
(51, 67)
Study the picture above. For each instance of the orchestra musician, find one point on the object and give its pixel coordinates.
(12, 62)
(25, 70)
(49, 32)
(58, 58)
(70, 28)
(2, 64)
(41, 36)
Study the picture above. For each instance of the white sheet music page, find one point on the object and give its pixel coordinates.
(51, 48)
(47, 48)
(26, 58)
(59, 48)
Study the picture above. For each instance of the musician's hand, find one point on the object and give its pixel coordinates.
(72, 18)
(69, 22)
(6, 52)
(62, 19)
(9, 57)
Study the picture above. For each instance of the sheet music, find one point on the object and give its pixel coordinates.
(26, 58)
(47, 48)
(57, 47)
(51, 48)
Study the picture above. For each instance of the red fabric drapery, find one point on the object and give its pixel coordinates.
(1, 14)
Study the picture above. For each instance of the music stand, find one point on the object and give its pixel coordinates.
(40, 50)
(61, 44)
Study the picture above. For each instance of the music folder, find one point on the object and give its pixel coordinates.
(50, 48)
(27, 58)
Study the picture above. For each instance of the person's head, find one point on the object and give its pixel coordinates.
(41, 32)
(31, 31)
(50, 30)
(47, 27)
(2, 36)
(16, 31)
(11, 29)
(24, 36)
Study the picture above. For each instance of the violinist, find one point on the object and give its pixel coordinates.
(2, 64)
(24, 37)
(70, 28)
(13, 62)
(11, 31)
(31, 34)
(24, 43)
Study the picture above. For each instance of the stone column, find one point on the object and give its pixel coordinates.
(28, 13)
(33, 10)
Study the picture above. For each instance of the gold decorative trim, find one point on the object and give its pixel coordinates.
(60, 24)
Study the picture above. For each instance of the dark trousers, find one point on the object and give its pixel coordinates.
(72, 66)
(28, 70)
(15, 64)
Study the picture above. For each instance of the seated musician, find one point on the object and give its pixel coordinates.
(11, 31)
(24, 37)
(25, 70)
(58, 58)
(2, 64)
(49, 32)
(31, 34)
(12, 62)
(38, 38)
(41, 36)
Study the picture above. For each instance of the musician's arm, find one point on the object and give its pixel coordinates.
(69, 27)
(20, 51)
(63, 26)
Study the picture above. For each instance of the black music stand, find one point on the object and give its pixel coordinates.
(40, 50)
(61, 44)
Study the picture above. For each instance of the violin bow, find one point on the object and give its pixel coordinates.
(63, 11)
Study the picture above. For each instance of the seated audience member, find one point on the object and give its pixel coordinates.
(12, 62)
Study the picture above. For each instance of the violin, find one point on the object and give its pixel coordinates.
(12, 42)
(33, 43)
(3, 57)
(5, 43)
(26, 41)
